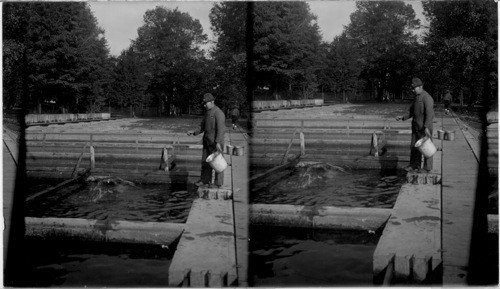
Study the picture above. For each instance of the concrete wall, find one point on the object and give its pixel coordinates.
(136, 157)
(337, 141)
(104, 231)
(47, 118)
(275, 104)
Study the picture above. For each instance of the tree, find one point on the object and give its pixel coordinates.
(228, 21)
(15, 19)
(130, 82)
(60, 53)
(462, 46)
(170, 43)
(384, 35)
(344, 66)
(286, 46)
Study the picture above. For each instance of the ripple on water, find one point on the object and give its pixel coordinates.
(123, 201)
(354, 188)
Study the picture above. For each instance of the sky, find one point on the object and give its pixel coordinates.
(121, 19)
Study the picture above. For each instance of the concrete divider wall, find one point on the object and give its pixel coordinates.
(265, 123)
(327, 217)
(98, 230)
(65, 117)
(492, 136)
(274, 104)
(138, 156)
(340, 141)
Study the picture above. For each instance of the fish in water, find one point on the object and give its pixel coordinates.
(318, 170)
(105, 187)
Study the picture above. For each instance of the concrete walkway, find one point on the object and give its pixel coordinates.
(10, 155)
(239, 171)
(9, 182)
(459, 178)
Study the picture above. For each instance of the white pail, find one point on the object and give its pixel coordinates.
(217, 162)
(426, 147)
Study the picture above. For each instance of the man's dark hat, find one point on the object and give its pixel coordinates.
(416, 82)
(207, 97)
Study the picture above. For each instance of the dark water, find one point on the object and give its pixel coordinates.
(328, 186)
(114, 199)
(306, 257)
(79, 264)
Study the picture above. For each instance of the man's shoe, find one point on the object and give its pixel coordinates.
(409, 169)
(199, 183)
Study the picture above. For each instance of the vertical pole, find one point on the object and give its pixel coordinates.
(165, 158)
(375, 143)
(92, 158)
(302, 144)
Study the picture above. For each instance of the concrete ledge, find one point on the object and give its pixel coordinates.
(64, 117)
(327, 217)
(104, 231)
(412, 237)
(275, 104)
(423, 178)
(493, 224)
(205, 256)
(206, 192)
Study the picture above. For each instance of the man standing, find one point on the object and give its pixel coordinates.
(422, 112)
(235, 114)
(213, 126)
(447, 101)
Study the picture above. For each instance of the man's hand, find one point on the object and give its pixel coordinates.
(427, 132)
(190, 132)
(398, 118)
(217, 145)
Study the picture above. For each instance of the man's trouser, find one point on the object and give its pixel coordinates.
(206, 169)
(415, 154)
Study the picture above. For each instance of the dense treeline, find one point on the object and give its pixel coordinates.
(56, 57)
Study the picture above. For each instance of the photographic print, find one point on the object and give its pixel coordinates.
(250, 144)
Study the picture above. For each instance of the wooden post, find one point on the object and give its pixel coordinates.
(165, 158)
(92, 158)
(375, 144)
(75, 171)
(302, 144)
(288, 149)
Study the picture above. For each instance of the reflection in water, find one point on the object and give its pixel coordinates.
(80, 264)
(306, 257)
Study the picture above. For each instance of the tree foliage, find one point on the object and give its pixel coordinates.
(344, 66)
(55, 53)
(462, 47)
(228, 21)
(383, 33)
(286, 46)
(169, 42)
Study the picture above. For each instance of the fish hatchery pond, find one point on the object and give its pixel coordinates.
(108, 198)
(307, 257)
(80, 264)
(323, 184)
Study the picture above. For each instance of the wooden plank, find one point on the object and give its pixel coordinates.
(291, 163)
(56, 187)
